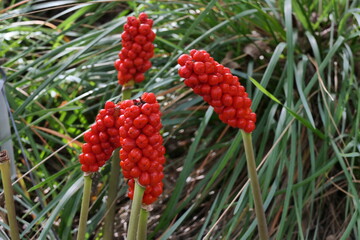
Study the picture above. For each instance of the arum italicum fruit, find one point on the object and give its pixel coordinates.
(101, 140)
(227, 96)
(137, 49)
(134, 60)
(142, 156)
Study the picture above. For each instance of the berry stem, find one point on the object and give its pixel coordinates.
(142, 229)
(114, 178)
(135, 211)
(9, 195)
(110, 204)
(84, 206)
(127, 90)
(251, 164)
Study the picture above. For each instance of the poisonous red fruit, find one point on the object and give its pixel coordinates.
(218, 87)
(137, 49)
(142, 153)
(101, 139)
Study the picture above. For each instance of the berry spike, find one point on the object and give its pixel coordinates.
(142, 153)
(137, 49)
(219, 88)
(101, 139)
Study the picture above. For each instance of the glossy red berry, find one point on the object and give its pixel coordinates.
(219, 88)
(142, 153)
(101, 139)
(137, 49)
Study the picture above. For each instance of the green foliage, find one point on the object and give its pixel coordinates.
(298, 59)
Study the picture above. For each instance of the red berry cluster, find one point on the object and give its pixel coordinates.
(101, 139)
(142, 153)
(219, 88)
(137, 49)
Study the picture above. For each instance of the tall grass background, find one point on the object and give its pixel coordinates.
(299, 61)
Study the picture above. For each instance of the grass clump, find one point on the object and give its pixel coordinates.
(305, 56)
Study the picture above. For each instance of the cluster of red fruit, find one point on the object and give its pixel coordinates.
(142, 153)
(219, 88)
(137, 49)
(101, 139)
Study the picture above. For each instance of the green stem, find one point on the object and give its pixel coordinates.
(127, 90)
(142, 228)
(251, 164)
(110, 203)
(9, 195)
(84, 206)
(135, 211)
(114, 179)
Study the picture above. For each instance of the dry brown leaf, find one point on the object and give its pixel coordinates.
(70, 139)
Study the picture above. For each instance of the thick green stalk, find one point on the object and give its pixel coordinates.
(110, 203)
(84, 206)
(251, 165)
(142, 228)
(135, 211)
(114, 180)
(9, 195)
(126, 90)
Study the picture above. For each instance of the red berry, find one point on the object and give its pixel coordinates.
(250, 126)
(89, 158)
(135, 155)
(147, 151)
(151, 36)
(144, 164)
(156, 138)
(135, 172)
(140, 39)
(148, 199)
(184, 72)
(149, 97)
(199, 67)
(96, 149)
(86, 148)
(142, 141)
(128, 144)
(205, 89)
(143, 17)
(216, 93)
(123, 154)
(133, 132)
(214, 80)
(144, 178)
(93, 168)
(183, 59)
(109, 105)
(140, 121)
(144, 29)
(209, 67)
(227, 100)
(94, 139)
(247, 102)
(85, 168)
(157, 190)
(252, 117)
(138, 61)
(146, 109)
(155, 178)
(198, 56)
(148, 47)
(203, 78)
(109, 121)
(127, 165)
